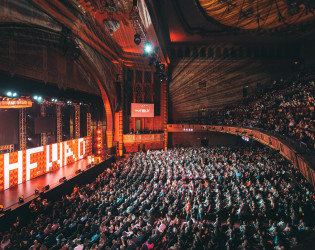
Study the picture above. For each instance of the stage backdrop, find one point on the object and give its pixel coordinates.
(21, 166)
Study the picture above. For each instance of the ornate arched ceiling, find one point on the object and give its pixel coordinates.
(258, 14)
(122, 32)
(113, 20)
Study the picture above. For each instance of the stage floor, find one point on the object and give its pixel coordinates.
(9, 197)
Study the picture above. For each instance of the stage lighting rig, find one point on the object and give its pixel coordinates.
(11, 93)
(38, 98)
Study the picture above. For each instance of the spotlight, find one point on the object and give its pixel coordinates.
(38, 98)
(98, 138)
(98, 131)
(137, 39)
(21, 198)
(53, 100)
(99, 152)
(148, 48)
(14, 94)
(36, 190)
(9, 93)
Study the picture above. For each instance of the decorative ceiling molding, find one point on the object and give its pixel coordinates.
(109, 6)
(258, 14)
(218, 28)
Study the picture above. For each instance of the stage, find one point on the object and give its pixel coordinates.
(9, 197)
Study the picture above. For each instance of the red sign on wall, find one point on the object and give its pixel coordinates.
(142, 110)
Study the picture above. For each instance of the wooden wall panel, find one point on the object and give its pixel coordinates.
(224, 82)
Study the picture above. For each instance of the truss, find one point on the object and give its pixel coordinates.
(43, 136)
(77, 121)
(22, 123)
(88, 124)
(59, 122)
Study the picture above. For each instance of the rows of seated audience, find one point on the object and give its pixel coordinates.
(287, 108)
(183, 198)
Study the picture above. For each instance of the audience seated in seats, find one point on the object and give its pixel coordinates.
(287, 108)
(244, 197)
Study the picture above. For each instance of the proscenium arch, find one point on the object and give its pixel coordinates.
(96, 86)
(107, 105)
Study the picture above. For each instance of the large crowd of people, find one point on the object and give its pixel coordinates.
(245, 197)
(287, 108)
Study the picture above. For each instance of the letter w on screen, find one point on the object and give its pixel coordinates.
(142, 110)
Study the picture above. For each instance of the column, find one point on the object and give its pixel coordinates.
(120, 113)
(88, 124)
(110, 137)
(164, 112)
(120, 134)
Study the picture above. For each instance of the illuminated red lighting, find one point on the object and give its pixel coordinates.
(98, 131)
(99, 138)
(98, 152)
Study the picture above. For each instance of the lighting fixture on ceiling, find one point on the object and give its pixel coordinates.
(111, 25)
(137, 39)
(148, 48)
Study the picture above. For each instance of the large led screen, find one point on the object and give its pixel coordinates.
(24, 165)
(142, 110)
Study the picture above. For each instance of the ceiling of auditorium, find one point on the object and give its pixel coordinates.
(195, 21)
(257, 14)
(110, 10)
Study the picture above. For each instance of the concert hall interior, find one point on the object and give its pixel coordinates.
(157, 124)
